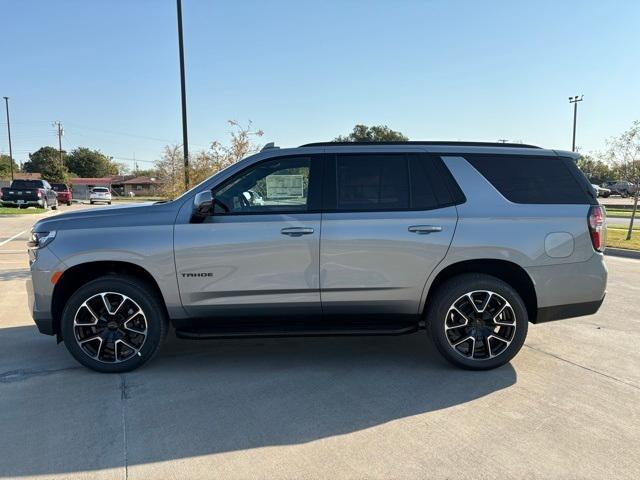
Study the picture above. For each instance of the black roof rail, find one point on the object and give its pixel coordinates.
(412, 142)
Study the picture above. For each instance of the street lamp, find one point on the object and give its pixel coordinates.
(183, 92)
(6, 103)
(575, 101)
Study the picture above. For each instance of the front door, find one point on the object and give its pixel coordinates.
(258, 254)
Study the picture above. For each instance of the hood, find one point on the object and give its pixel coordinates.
(140, 214)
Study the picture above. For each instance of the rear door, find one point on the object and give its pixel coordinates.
(388, 220)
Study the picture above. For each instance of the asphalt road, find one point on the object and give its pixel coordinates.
(568, 406)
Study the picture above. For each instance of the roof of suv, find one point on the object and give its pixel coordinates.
(438, 143)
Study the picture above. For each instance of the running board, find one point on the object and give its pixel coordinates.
(295, 330)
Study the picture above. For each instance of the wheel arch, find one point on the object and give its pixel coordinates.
(507, 271)
(79, 274)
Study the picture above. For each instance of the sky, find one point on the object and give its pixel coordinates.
(305, 71)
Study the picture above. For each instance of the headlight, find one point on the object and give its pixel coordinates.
(41, 239)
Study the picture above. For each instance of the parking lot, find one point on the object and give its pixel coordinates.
(568, 406)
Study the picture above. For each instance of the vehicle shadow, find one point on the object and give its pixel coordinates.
(18, 274)
(206, 397)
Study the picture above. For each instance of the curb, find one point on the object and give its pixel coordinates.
(622, 252)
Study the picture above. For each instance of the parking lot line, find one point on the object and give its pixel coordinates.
(12, 238)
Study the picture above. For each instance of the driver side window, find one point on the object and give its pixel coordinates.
(274, 186)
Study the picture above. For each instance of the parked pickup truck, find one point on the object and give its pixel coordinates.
(64, 193)
(29, 193)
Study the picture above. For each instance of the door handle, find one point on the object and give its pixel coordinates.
(297, 231)
(424, 229)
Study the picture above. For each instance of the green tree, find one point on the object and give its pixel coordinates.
(624, 154)
(203, 164)
(90, 163)
(55, 172)
(596, 170)
(5, 166)
(376, 133)
(42, 157)
(146, 172)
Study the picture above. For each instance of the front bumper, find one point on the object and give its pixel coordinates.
(43, 263)
(42, 318)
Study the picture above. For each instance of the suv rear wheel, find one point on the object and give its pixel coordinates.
(477, 321)
(114, 324)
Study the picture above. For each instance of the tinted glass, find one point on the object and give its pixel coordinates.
(26, 184)
(531, 179)
(59, 187)
(423, 195)
(280, 185)
(100, 189)
(372, 182)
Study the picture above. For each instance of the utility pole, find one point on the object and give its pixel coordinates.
(60, 133)
(6, 103)
(575, 101)
(183, 91)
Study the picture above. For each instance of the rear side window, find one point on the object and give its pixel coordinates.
(532, 179)
(390, 181)
(372, 182)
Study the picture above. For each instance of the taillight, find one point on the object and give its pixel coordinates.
(598, 227)
(39, 193)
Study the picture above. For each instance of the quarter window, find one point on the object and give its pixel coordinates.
(531, 179)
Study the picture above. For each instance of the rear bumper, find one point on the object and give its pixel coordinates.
(559, 312)
(22, 203)
(570, 289)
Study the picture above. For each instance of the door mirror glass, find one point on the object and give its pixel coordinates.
(202, 206)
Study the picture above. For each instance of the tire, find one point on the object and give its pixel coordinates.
(109, 203)
(90, 202)
(114, 348)
(448, 326)
(68, 204)
(55, 206)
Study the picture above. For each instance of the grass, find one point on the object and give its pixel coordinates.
(20, 211)
(622, 213)
(616, 238)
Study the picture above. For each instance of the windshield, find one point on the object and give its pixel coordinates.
(204, 181)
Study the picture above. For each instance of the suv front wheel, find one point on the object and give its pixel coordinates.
(114, 324)
(477, 321)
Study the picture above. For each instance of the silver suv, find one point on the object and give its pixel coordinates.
(470, 241)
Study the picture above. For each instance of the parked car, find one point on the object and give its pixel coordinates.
(471, 241)
(63, 193)
(624, 188)
(29, 193)
(601, 191)
(100, 195)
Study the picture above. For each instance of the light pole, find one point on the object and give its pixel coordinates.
(183, 91)
(575, 101)
(6, 103)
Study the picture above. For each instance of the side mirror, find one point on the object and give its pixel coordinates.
(202, 206)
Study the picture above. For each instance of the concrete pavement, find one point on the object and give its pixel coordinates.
(568, 406)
